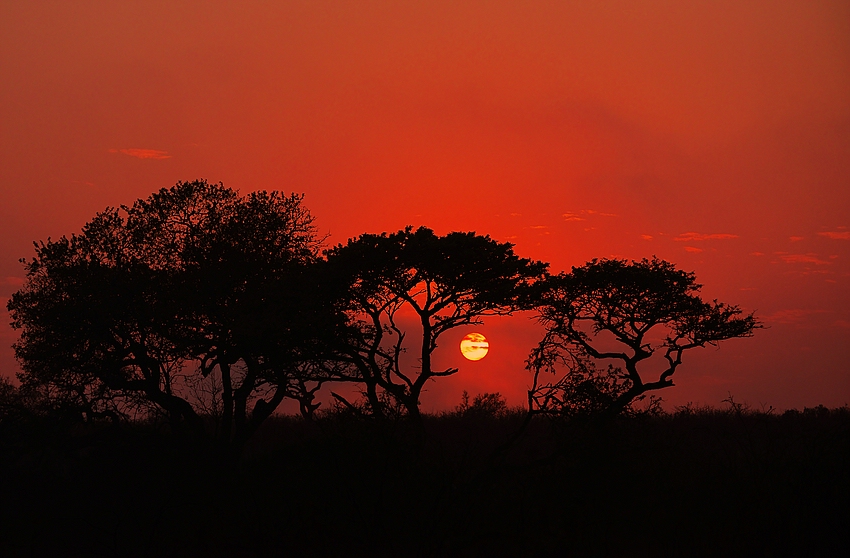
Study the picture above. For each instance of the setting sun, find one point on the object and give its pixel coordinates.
(474, 346)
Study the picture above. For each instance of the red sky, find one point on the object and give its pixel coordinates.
(714, 134)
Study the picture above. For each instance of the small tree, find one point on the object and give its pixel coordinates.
(606, 318)
(444, 281)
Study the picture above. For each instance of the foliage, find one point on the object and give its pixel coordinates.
(199, 302)
(483, 405)
(194, 283)
(626, 312)
(718, 481)
(444, 282)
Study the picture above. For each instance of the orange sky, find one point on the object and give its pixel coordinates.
(713, 134)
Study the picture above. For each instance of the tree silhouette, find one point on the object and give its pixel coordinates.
(443, 281)
(625, 312)
(193, 284)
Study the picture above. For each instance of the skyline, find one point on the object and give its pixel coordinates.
(715, 136)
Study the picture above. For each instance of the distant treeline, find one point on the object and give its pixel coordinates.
(199, 302)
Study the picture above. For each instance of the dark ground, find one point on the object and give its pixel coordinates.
(700, 483)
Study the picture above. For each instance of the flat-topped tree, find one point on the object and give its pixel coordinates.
(606, 319)
(446, 281)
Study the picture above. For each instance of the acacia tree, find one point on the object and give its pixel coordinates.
(193, 283)
(444, 281)
(606, 319)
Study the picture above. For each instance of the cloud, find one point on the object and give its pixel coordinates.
(836, 235)
(693, 249)
(646, 236)
(538, 227)
(802, 258)
(699, 237)
(757, 253)
(143, 153)
(795, 238)
(791, 316)
(572, 216)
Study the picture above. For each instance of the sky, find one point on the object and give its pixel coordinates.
(713, 134)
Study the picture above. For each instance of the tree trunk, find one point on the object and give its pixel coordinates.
(262, 411)
(226, 404)
(374, 401)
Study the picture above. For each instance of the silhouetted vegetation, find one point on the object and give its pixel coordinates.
(446, 282)
(615, 310)
(199, 301)
(157, 344)
(191, 302)
(696, 482)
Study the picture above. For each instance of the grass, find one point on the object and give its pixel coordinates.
(698, 482)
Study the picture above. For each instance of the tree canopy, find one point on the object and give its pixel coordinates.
(445, 281)
(199, 303)
(605, 318)
(184, 300)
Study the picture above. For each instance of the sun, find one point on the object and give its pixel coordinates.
(474, 346)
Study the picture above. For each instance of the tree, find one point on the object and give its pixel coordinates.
(444, 282)
(621, 312)
(188, 301)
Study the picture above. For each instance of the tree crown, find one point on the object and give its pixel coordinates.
(633, 302)
(432, 273)
(628, 299)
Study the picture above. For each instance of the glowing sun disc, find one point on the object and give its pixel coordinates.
(474, 346)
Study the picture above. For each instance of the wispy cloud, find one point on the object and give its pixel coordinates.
(836, 235)
(757, 253)
(803, 258)
(699, 237)
(143, 153)
(791, 316)
(693, 249)
(795, 238)
(646, 236)
(584, 213)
